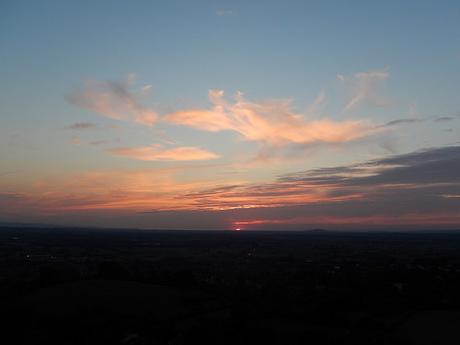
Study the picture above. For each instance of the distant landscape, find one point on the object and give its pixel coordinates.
(81, 286)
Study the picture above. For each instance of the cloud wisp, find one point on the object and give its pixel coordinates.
(159, 153)
(114, 100)
(224, 13)
(414, 120)
(363, 88)
(81, 126)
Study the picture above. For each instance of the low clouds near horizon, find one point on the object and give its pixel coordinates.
(416, 189)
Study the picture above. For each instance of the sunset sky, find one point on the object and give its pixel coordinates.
(230, 114)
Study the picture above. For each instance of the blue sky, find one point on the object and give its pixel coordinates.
(397, 61)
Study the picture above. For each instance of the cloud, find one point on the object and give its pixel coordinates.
(402, 121)
(420, 190)
(424, 220)
(363, 87)
(81, 125)
(450, 195)
(97, 142)
(114, 100)
(224, 13)
(158, 153)
(443, 119)
(420, 169)
(423, 184)
(271, 122)
(414, 120)
(122, 191)
(75, 141)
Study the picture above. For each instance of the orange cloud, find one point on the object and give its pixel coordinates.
(271, 122)
(158, 153)
(129, 192)
(276, 194)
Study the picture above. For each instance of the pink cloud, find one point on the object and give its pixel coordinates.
(271, 122)
(158, 153)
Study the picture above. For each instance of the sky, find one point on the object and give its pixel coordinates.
(279, 115)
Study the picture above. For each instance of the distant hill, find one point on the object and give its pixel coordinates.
(28, 225)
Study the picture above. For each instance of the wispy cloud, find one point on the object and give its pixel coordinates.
(75, 141)
(415, 120)
(402, 121)
(224, 13)
(443, 119)
(81, 125)
(450, 196)
(97, 142)
(114, 100)
(125, 191)
(363, 87)
(159, 153)
(270, 122)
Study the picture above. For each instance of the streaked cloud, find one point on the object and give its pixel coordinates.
(418, 220)
(159, 153)
(450, 196)
(402, 122)
(416, 120)
(270, 122)
(124, 191)
(425, 167)
(97, 142)
(81, 125)
(417, 190)
(443, 119)
(363, 88)
(114, 100)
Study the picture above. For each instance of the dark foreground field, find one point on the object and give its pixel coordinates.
(64, 286)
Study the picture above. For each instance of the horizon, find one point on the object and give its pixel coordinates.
(231, 115)
(38, 226)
